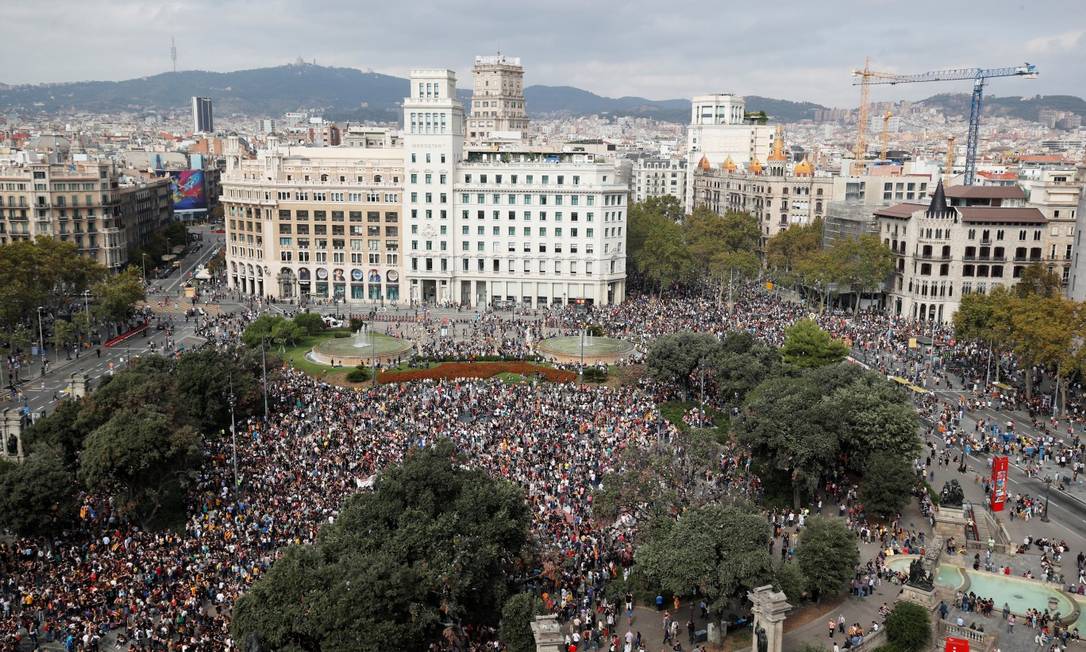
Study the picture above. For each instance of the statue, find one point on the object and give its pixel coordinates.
(951, 495)
(919, 577)
(763, 641)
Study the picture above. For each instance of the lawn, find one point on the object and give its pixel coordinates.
(673, 411)
(295, 355)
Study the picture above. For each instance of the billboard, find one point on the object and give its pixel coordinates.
(187, 188)
(999, 483)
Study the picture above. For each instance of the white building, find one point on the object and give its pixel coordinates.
(531, 226)
(718, 131)
(1076, 287)
(657, 177)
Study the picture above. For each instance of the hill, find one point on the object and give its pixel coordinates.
(1015, 106)
(340, 93)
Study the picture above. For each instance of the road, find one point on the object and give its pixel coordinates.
(40, 393)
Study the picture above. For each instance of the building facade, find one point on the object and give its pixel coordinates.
(202, 120)
(1076, 286)
(719, 130)
(658, 177)
(314, 223)
(1056, 193)
(943, 251)
(531, 226)
(83, 203)
(497, 100)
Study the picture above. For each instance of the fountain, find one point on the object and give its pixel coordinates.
(361, 341)
(363, 347)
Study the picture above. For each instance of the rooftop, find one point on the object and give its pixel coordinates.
(1001, 215)
(985, 192)
(900, 210)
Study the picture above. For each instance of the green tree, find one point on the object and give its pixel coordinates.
(64, 334)
(37, 496)
(827, 555)
(785, 249)
(1036, 281)
(310, 322)
(716, 552)
(204, 381)
(274, 330)
(665, 259)
(117, 296)
(643, 218)
(44, 272)
(869, 414)
(60, 431)
(908, 627)
(862, 264)
(1047, 332)
(818, 272)
(728, 268)
(673, 358)
(739, 364)
(789, 578)
(887, 485)
(434, 542)
(806, 345)
(144, 459)
(517, 615)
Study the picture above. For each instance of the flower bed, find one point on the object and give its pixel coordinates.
(478, 370)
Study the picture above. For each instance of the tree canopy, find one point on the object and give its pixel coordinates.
(43, 273)
(433, 543)
(827, 555)
(715, 552)
(807, 345)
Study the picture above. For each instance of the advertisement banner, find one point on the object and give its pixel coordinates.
(187, 187)
(956, 644)
(999, 483)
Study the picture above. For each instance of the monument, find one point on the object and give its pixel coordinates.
(770, 609)
(949, 518)
(11, 437)
(548, 634)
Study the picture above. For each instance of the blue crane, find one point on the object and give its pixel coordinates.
(978, 75)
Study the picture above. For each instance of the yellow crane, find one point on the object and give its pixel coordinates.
(885, 134)
(948, 166)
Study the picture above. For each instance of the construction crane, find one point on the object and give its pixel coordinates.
(885, 138)
(859, 151)
(978, 75)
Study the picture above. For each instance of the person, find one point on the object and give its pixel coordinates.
(659, 602)
(1010, 623)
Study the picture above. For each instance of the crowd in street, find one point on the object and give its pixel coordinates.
(157, 590)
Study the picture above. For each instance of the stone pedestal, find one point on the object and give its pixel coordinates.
(770, 608)
(77, 385)
(950, 522)
(712, 634)
(11, 434)
(924, 597)
(548, 634)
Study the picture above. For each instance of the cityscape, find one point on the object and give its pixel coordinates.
(481, 348)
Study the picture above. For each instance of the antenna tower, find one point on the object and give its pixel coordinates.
(173, 53)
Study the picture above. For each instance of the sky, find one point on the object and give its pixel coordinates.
(660, 49)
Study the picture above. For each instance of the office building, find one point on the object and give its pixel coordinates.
(202, 122)
(966, 239)
(526, 225)
(497, 100)
(657, 177)
(720, 130)
(309, 223)
(84, 203)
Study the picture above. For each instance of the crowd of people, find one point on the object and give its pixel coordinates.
(152, 590)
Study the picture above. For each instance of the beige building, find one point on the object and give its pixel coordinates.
(315, 223)
(778, 194)
(497, 100)
(719, 131)
(1056, 194)
(83, 203)
(968, 239)
(658, 177)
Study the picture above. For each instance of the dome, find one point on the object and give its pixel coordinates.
(804, 169)
(755, 166)
(728, 165)
(704, 164)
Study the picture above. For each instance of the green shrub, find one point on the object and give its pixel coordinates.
(358, 375)
(908, 626)
(595, 330)
(595, 374)
(339, 335)
(357, 323)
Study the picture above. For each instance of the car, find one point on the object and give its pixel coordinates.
(332, 322)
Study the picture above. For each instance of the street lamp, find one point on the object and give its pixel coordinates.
(1048, 490)
(143, 261)
(264, 381)
(233, 436)
(41, 340)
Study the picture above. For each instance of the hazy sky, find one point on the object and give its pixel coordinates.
(652, 48)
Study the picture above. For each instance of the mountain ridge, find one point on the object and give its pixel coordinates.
(348, 93)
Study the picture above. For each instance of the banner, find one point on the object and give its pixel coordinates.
(187, 187)
(956, 644)
(999, 483)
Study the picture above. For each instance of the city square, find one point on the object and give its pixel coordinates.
(477, 348)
